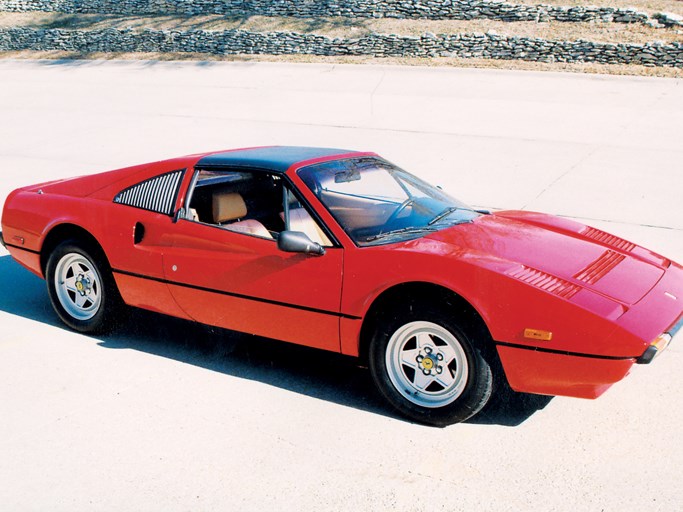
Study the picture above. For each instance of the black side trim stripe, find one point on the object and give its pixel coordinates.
(21, 248)
(564, 352)
(238, 295)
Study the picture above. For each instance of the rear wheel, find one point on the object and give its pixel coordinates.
(428, 366)
(81, 288)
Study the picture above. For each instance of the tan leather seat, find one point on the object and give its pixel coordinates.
(228, 208)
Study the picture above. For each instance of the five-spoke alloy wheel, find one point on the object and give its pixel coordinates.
(428, 366)
(80, 286)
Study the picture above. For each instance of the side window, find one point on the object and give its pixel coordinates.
(298, 219)
(156, 194)
(253, 203)
(241, 201)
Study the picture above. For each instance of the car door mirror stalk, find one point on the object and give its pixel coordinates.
(296, 241)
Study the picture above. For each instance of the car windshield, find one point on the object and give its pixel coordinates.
(376, 202)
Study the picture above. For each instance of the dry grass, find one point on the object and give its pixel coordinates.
(603, 32)
(648, 6)
(603, 69)
(346, 28)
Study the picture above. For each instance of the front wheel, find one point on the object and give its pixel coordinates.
(429, 367)
(81, 287)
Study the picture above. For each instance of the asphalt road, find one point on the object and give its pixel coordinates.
(166, 415)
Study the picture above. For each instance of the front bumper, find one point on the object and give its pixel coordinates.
(549, 373)
(641, 333)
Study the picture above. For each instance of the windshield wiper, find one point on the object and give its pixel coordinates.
(408, 230)
(444, 214)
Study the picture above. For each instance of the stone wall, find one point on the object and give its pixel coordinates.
(488, 46)
(423, 9)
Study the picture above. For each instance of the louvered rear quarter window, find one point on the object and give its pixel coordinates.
(156, 194)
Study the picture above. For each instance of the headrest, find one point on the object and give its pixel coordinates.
(227, 206)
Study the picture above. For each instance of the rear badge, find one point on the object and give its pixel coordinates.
(670, 295)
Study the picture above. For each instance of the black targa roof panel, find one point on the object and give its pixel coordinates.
(273, 158)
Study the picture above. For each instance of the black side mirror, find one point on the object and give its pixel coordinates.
(296, 241)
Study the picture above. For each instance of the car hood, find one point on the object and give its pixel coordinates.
(536, 244)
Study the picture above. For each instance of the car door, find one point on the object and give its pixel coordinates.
(137, 223)
(226, 275)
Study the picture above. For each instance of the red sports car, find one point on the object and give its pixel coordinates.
(346, 252)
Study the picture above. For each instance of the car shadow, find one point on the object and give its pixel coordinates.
(315, 373)
(509, 408)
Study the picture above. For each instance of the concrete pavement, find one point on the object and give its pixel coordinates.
(163, 415)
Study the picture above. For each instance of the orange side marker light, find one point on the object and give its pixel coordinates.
(537, 334)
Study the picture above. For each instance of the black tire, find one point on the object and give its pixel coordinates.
(471, 373)
(98, 295)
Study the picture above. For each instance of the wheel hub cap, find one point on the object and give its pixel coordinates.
(428, 361)
(83, 285)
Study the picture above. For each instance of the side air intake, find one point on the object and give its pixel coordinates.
(156, 194)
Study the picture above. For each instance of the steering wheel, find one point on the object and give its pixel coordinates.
(396, 213)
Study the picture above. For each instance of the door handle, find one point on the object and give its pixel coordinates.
(138, 233)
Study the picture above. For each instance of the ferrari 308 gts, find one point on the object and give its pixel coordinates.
(346, 252)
